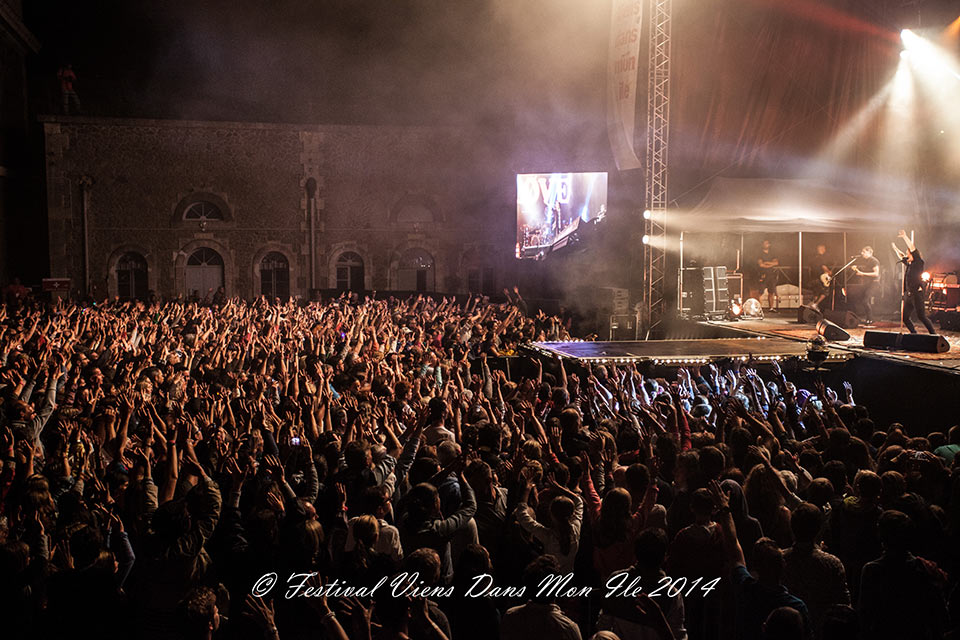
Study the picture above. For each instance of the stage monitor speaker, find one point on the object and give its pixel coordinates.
(845, 319)
(924, 342)
(921, 342)
(808, 315)
(831, 331)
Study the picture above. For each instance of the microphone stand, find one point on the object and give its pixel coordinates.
(833, 282)
(903, 294)
(903, 285)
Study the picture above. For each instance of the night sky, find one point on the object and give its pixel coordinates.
(404, 61)
(532, 72)
(529, 72)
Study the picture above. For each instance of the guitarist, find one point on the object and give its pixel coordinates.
(867, 272)
(822, 266)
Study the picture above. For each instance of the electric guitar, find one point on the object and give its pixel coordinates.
(827, 278)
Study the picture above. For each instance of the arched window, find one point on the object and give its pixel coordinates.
(416, 271)
(202, 210)
(482, 280)
(481, 277)
(205, 256)
(203, 274)
(275, 276)
(350, 274)
(132, 276)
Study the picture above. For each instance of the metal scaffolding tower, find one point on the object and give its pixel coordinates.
(658, 134)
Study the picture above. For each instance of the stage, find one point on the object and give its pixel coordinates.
(785, 326)
(680, 352)
(776, 337)
(896, 385)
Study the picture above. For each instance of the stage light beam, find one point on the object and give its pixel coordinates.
(927, 56)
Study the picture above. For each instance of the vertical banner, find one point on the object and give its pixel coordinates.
(625, 37)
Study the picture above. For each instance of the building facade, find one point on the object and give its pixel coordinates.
(183, 208)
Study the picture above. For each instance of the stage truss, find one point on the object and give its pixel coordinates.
(658, 134)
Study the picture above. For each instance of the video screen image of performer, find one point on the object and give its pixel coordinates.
(551, 206)
(865, 283)
(914, 296)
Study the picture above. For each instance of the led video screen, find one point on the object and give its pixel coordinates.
(551, 206)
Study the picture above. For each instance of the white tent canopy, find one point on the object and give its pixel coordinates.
(743, 205)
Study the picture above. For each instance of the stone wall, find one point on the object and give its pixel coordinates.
(380, 191)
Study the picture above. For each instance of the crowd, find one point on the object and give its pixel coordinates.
(167, 467)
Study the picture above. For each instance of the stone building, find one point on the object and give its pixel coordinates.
(179, 207)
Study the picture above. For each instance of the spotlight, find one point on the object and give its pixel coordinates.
(734, 310)
(752, 309)
(645, 239)
(925, 276)
(905, 54)
(647, 214)
(905, 34)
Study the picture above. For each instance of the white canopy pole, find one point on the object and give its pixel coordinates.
(680, 281)
(800, 264)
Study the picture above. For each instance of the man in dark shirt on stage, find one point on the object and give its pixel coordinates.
(767, 264)
(867, 270)
(913, 293)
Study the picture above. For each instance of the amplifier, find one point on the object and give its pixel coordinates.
(944, 295)
(948, 320)
(704, 290)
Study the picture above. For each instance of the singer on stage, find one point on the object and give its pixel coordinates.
(914, 297)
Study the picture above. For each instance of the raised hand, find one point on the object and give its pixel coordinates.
(831, 396)
(340, 495)
(261, 611)
(275, 503)
(360, 617)
(191, 465)
(777, 371)
(848, 388)
(720, 497)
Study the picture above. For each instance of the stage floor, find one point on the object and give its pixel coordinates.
(677, 351)
(777, 336)
(787, 327)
